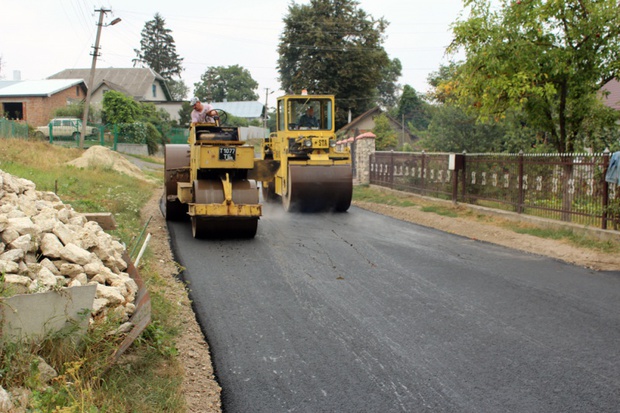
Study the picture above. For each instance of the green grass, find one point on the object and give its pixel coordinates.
(567, 235)
(148, 379)
(367, 194)
(440, 210)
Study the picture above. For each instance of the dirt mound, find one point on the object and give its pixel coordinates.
(102, 157)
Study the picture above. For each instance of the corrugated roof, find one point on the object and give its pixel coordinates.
(46, 87)
(241, 109)
(136, 80)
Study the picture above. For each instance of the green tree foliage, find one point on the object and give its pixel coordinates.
(386, 136)
(157, 49)
(413, 109)
(545, 58)
(232, 83)
(178, 89)
(118, 108)
(334, 47)
(387, 90)
(454, 130)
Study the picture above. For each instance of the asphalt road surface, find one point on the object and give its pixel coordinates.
(358, 312)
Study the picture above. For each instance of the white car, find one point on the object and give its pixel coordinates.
(63, 128)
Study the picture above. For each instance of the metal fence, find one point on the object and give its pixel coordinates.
(12, 129)
(567, 187)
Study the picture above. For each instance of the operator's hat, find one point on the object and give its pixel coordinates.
(194, 101)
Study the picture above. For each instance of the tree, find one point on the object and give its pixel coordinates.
(178, 89)
(232, 83)
(387, 90)
(413, 109)
(546, 58)
(333, 47)
(118, 108)
(386, 136)
(157, 49)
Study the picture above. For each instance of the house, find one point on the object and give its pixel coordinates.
(142, 84)
(34, 101)
(612, 91)
(366, 123)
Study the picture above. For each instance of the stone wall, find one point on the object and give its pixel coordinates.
(362, 146)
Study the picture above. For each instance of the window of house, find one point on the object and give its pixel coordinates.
(77, 91)
(154, 87)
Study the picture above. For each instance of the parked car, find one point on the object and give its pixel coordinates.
(64, 128)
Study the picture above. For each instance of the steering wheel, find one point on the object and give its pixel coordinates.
(222, 115)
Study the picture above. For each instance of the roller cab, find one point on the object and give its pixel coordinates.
(206, 181)
(311, 175)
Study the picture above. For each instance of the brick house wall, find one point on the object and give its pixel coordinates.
(38, 110)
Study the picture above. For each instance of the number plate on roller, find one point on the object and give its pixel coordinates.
(228, 154)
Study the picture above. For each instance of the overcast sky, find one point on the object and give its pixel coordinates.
(39, 38)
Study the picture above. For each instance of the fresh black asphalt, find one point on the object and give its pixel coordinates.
(358, 312)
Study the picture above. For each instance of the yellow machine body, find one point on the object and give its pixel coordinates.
(208, 181)
(312, 174)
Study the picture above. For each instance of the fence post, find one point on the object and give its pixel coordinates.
(605, 200)
(464, 178)
(391, 176)
(520, 195)
(423, 174)
(115, 137)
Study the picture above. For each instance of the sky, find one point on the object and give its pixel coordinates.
(39, 38)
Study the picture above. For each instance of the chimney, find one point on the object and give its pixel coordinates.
(17, 75)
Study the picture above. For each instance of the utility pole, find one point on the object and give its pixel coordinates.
(91, 77)
(266, 107)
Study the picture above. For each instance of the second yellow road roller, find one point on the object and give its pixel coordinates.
(312, 175)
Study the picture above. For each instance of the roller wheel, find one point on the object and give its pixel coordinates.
(210, 191)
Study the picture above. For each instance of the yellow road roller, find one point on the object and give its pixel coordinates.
(311, 174)
(208, 181)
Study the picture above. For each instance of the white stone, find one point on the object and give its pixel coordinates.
(24, 243)
(6, 405)
(73, 253)
(17, 279)
(8, 266)
(51, 245)
(23, 225)
(71, 270)
(110, 293)
(9, 235)
(64, 234)
(45, 277)
(45, 262)
(12, 255)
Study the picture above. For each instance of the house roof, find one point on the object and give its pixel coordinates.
(5, 83)
(613, 98)
(250, 110)
(44, 88)
(354, 122)
(136, 81)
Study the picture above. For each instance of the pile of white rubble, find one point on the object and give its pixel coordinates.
(46, 245)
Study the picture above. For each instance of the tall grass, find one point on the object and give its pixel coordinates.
(148, 379)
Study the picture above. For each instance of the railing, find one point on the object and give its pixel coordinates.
(567, 187)
(12, 129)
